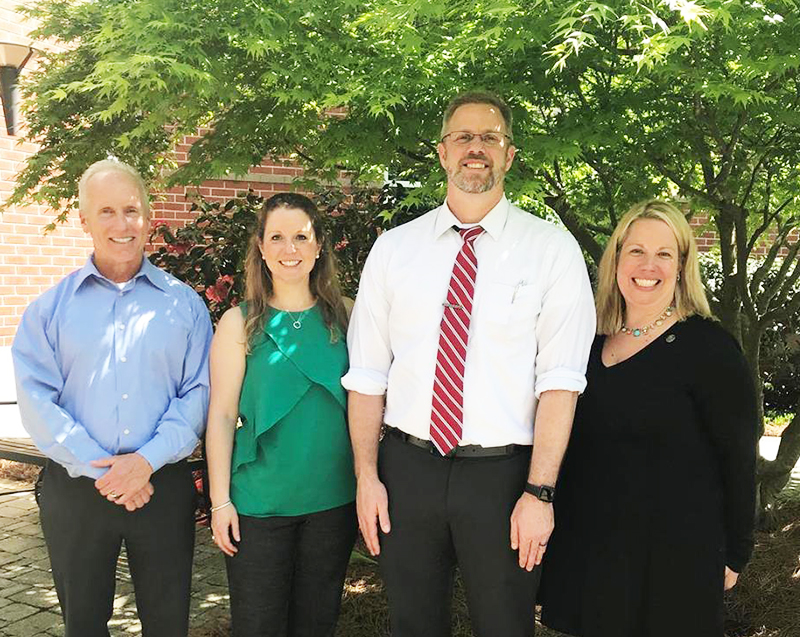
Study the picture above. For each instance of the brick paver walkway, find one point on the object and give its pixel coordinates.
(28, 602)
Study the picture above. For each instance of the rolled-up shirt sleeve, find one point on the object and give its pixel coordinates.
(368, 336)
(566, 324)
(39, 381)
(181, 427)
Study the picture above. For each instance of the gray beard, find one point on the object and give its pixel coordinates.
(474, 185)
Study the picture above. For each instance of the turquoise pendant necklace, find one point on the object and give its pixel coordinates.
(636, 332)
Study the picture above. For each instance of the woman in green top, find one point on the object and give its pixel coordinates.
(279, 458)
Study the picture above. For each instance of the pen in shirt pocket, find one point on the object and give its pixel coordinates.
(517, 288)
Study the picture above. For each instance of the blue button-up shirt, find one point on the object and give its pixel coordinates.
(105, 369)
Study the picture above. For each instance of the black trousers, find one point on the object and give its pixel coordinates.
(286, 579)
(84, 533)
(447, 512)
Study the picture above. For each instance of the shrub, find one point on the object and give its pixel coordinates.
(208, 253)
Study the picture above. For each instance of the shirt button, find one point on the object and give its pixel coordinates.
(123, 359)
(124, 396)
(126, 431)
(121, 326)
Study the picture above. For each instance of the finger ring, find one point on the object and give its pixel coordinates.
(113, 495)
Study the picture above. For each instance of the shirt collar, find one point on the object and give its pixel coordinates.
(147, 270)
(493, 223)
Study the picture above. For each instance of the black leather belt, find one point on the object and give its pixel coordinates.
(462, 451)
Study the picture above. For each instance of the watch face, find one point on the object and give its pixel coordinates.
(541, 492)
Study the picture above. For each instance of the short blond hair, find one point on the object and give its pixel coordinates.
(690, 296)
(108, 166)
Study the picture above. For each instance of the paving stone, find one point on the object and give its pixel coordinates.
(24, 503)
(10, 591)
(34, 576)
(11, 527)
(13, 569)
(43, 564)
(27, 592)
(27, 528)
(17, 544)
(16, 611)
(58, 631)
(39, 596)
(33, 624)
(7, 558)
(35, 553)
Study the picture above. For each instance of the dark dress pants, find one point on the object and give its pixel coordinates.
(84, 533)
(447, 512)
(286, 578)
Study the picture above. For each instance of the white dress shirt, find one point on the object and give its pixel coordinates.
(533, 321)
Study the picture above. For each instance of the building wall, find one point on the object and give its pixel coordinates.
(30, 261)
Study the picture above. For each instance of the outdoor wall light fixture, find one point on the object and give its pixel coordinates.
(12, 58)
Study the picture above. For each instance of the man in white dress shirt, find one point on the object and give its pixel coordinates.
(475, 380)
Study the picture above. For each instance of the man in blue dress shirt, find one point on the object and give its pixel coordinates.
(112, 383)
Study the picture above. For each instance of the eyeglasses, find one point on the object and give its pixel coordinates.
(493, 140)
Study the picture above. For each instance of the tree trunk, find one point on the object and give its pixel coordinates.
(774, 475)
(751, 346)
(585, 239)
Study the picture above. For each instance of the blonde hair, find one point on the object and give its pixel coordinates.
(323, 281)
(690, 296)
(113, 166)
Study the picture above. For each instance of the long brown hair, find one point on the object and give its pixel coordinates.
(323, 281)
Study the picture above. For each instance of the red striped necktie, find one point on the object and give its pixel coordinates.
(447, 413)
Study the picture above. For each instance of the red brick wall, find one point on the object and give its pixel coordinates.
(31, 262)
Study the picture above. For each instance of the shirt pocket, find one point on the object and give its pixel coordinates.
(511, 305)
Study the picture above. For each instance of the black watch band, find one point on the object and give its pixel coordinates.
(543, 492)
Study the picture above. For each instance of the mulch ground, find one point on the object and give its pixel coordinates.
(18, 471)
(765, 603)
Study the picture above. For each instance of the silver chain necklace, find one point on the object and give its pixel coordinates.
(297, 321)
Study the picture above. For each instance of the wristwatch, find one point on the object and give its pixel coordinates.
(543, 492)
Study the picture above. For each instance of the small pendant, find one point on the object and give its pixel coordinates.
(297, 325)
(637, 332)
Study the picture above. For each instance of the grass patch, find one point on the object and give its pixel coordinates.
(774, 425)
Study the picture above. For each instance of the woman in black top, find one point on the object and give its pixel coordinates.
(656, 497)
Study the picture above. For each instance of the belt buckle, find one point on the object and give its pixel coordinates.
(435, 452)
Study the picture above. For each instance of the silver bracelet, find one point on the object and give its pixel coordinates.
(221, 506)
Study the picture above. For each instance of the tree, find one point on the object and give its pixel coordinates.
(614, 101)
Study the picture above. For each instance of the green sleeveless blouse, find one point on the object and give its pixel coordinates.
(292, 454)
